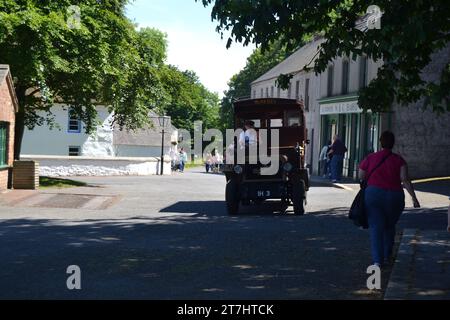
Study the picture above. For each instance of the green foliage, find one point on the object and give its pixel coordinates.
(188, 100)
(411, 31)
(258, 63)
(103, 61)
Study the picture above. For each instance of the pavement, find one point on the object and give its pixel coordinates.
(170, 238)
(422, 267)
(346, 183)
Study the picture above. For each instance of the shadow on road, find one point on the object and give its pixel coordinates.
(205, 255)
(217, 208)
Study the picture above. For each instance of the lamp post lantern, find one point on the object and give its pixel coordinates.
(163, 122)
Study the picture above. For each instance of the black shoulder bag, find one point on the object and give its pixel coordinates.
(357, 211)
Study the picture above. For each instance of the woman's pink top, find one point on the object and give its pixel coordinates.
(387, 176)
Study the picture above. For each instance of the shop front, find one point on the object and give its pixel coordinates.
(358, 130)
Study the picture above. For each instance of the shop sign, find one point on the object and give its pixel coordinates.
(340, 108)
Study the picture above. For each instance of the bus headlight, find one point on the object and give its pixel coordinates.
(288, 167)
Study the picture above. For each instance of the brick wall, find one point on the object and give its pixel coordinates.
(7, 114)
(423, 137)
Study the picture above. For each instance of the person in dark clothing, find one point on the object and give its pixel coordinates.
(337, 151)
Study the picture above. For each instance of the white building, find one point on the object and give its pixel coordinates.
(64, 149)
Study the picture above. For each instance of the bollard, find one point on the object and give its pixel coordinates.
(448, 224)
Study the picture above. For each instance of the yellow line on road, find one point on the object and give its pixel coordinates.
(431, 180)
(343, 186)
(346, 187)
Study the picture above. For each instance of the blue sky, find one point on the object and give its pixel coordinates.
(193, 42)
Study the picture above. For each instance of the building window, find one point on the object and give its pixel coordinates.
(307, 95)
(297, 90)
(74, 151)
(262, 93)
(267, 92)
(3, 144)
(278, 92)
(272, 91)
(363, 70)
(290, 90)
(254, 94)
(74, 122)
(330, 81)
(345, 76)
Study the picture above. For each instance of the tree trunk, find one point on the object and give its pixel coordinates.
(20, 123)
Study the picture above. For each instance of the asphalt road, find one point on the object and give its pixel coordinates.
(170, 238)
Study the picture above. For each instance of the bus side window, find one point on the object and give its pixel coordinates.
(293, 119)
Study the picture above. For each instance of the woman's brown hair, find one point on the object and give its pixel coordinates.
(387, 140)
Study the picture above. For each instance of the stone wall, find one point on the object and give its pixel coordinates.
(54, 166)
(423, 137)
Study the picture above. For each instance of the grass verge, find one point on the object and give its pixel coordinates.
(196, 164)
(58, 183)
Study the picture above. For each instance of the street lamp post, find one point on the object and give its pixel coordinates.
(163, 121)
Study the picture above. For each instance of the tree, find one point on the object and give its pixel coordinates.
(103, 60)
(239, 85)
(411, 31)
(188, 99)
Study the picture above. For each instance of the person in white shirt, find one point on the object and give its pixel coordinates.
(209, 161)
(249, 136)
(217, 161)
(218, 158)
(173, 158)
(324, 160)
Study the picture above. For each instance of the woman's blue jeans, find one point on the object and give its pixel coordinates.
(182, 164)
(383, 209)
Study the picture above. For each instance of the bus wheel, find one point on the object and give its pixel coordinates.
(298, 197)
(232, 197)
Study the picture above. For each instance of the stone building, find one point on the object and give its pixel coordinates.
(8, 109)
(340, 113)
(423, 136)
(331, 105)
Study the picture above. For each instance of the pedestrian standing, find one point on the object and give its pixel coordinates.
(324, 159)
(173, 158)
(208, 162)
(183, 159)
(384, 196)
(337, 151)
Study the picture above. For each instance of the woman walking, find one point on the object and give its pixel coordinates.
(384, 196)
